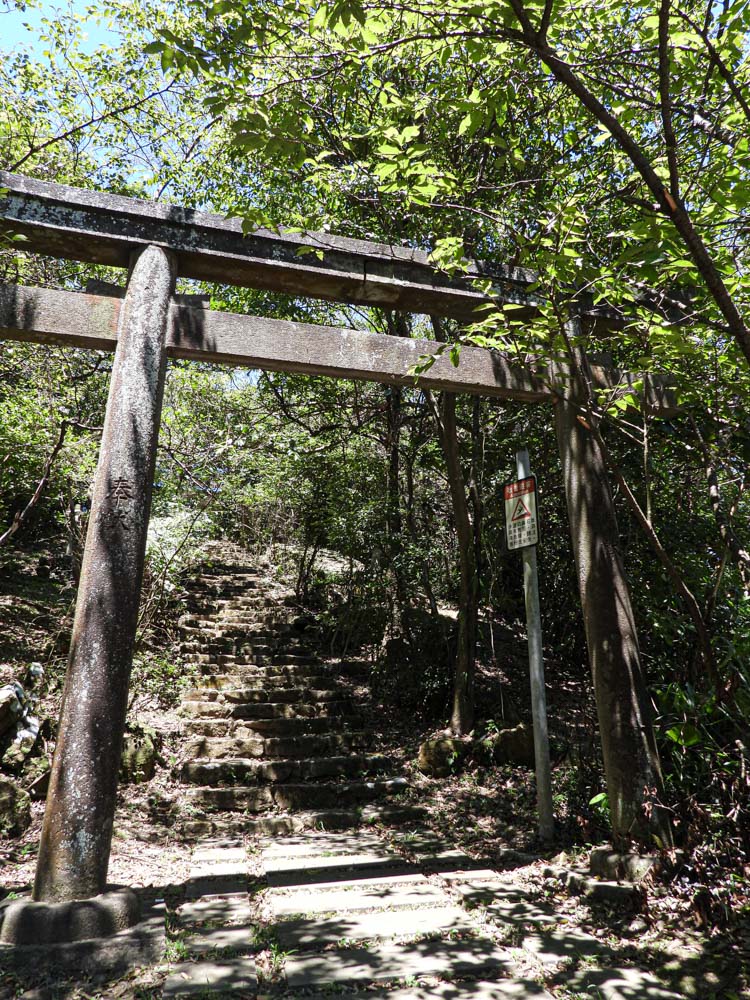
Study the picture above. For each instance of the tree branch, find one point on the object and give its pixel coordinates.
(21, 515)
(671, 208)
(87, 124)
(739, 554)
(666, 108)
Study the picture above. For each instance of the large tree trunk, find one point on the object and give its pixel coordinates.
(397, 327)
(631, 761)
(462, 711)
(393, 524)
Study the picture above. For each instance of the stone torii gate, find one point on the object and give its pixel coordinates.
(158, 243)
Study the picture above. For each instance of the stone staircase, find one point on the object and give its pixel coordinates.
(275, 738)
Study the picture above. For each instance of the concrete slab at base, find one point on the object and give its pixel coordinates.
(99, 957)
(218, 869)
(316, 932)
(553, 948)
(449, 860)
(483, 892)
(216, 885)
(241, 938)
(25, 922)
(340, 870)
(319, 844)
(228, 977)
(220, 855)
(621, 984)
(230, 909)
(504, 912)
(392, 961)
(330, 859)
(472, 874)
(390, 880)
(377, 897)
(502, 989)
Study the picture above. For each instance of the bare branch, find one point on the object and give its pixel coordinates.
(21, 515)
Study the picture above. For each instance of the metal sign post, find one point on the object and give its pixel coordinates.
(522, 528)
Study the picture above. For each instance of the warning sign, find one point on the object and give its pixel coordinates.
(520, 513)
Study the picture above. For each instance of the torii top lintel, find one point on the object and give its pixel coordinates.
(101, 228)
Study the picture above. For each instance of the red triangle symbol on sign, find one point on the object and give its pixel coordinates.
(521, 511)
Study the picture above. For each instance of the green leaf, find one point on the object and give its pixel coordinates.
(685, 735)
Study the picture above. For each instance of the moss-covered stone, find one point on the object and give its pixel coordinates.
(514, 746)
(442, 756)
(11, 706)
(15, 809)
(139, 755)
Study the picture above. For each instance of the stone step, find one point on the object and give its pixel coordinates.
(292, 796)
(254, 676)
(219, 677)
(249, 674)
(230, 584)
(293, 659)
(232, 623)
(230, 693)
(270, 727)
(285, 824)
(215, 591)
(235, 770)
(246, 609)
(309, 744)
(199, 652)
(266, 710)
(276, 747)
(220, 634)
(244, 654)
(259, 624)
(201, 625)
(354, 668)
(213, 652)
(213, 747)
(251, 642)
(253, 658)
(225, 571)
(255, 599)
(299, 667)
(322, 845)
(259, 614)
(237, 581)
(283, 654)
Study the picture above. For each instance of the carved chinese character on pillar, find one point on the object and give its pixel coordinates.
(120, 494)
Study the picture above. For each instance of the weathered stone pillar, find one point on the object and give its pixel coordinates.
(631, 761)
(77, 830)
